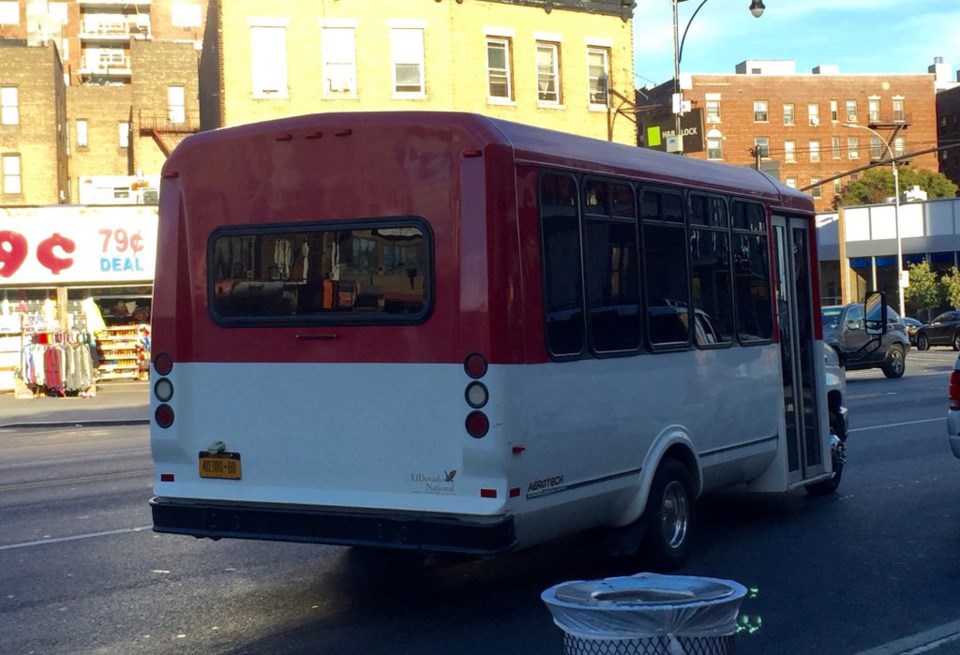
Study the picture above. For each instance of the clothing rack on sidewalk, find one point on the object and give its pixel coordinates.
(58, 363)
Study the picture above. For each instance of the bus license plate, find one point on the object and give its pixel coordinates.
(225, 466)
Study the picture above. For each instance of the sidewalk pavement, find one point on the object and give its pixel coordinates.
(116, 403)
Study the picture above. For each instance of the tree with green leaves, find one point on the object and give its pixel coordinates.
(951, 285)
(875, 185)
(925, 292)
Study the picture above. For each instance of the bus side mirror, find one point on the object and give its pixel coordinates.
(875, 313)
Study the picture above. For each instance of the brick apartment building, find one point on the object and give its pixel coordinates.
(948, 126)
(546, 63)
(93, 91)
(796, 126)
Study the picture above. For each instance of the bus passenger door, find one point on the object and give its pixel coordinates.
(798, 348)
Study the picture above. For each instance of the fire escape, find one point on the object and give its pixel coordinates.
(168, 129)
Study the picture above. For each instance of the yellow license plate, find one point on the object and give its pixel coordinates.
(225, 466)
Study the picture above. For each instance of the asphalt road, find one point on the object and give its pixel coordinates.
(870, 571)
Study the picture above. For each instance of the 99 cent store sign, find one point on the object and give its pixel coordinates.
(51, 251)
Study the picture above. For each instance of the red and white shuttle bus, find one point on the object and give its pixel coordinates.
(446, 332)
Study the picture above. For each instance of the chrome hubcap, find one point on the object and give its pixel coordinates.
(676, 514)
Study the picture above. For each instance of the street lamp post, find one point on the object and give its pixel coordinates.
(756, 8)
(896, 210)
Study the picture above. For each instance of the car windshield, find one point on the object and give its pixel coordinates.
(831, 316)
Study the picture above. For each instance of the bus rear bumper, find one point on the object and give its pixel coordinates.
(322, 526)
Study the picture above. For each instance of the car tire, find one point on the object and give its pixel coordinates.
(896, 362)
(670, 515)
(827, 487)
(956, 341)
(923, 343)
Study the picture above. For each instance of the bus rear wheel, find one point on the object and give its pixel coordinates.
(670, 516)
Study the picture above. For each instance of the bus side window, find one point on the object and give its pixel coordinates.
(611, 267)
(751, 271)
(710, 267)
(563, 288)
(666, 272)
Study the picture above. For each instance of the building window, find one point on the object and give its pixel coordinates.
(898, 114)
(123, 134)
(713, 110)
(82, 137)
(339, 60)
(548, 73)
(406, 44)
(790, 152)
(186, 15)
(761, 146)
(58, 12)
(873, 109)
(835, 147)
(760, 111)
(851, 111)
(853, 147)
(899, 146)
(814, 151)
(788, 118)
(9, 106)
(813, 113)
(499, 79)
(837, 187)
(791, 182)
(714, 144)
(876, 148)
(268, 50)
(815, 187)
(834, 112)
(11, 174)
(598, 75)
(176, 111)
(9, 13)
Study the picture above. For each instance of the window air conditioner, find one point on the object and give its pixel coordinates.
(851, 118)
(814, 121)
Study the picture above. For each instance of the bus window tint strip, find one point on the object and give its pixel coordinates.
(310, 274)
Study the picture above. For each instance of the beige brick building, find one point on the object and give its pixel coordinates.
(33, 145)
(795, 125)
(530, 61)
(109, 88)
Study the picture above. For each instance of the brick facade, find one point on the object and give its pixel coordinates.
(455, 59)
(35, 137)
(737, 128)
(948, 130)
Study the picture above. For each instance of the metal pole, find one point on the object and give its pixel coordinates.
(676, 75)
(896, 212)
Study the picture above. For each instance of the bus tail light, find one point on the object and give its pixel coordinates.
(477, 424)
(164, 416)
(163, 363)
(163, 390)
(955, 390)
(477, 395)
(475, 365)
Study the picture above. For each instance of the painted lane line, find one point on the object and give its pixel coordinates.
(897, 425)
(41, 542)
(922, 642)
(16, 486)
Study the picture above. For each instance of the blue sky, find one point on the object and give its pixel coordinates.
(859, 36)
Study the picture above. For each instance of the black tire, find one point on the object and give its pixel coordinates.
(827, 487)
(923, 343)
(956, 341)
(896, 362)
(670, 517)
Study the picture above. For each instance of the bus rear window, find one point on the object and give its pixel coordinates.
(321, 273)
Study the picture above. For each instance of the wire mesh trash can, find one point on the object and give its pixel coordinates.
(647, 614)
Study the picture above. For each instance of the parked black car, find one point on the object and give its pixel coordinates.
(913, 325)
(944, 330)
(844, 330)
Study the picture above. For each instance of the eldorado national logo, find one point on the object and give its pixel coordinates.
(435, 483)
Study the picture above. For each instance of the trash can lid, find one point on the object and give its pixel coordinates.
(645, 589)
